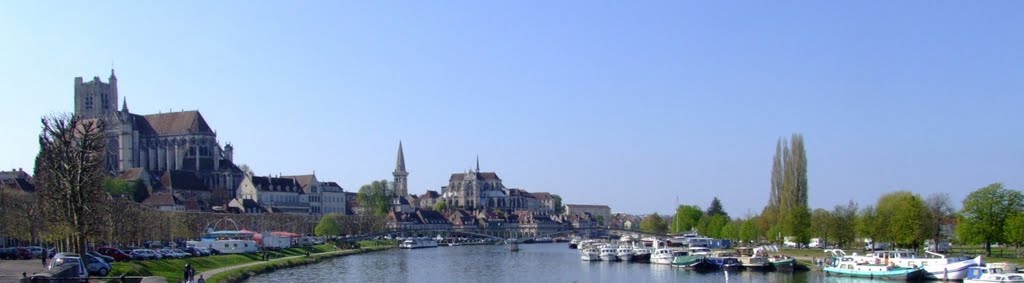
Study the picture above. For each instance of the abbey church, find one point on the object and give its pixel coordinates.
(176, 152)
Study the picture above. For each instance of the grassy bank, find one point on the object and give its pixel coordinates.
(173, 269)
(241, 274)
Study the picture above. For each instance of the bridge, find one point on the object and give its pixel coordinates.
(508, 235)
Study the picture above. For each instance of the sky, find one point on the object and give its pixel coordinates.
(641, 106)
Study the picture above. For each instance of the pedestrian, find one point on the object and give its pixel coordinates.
(201, 280)
(43, 258)
(188, 272)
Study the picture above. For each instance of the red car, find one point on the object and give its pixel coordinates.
(115, 253)
(24, 253)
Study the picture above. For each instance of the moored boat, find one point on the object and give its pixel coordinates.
(782, 263)
(662, 256)
(690, 261)
(624, 253)
(986, 274)
(589, 254)
(873, 271)
(417, 243)
(753, 259)
(725, 260)
(608, 253)
(642, 255)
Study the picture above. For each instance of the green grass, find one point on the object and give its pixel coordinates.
(240, 274)
(173, 269)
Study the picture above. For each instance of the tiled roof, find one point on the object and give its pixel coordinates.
(18, 184)
(132, 174)
(182, 180)
(331, 187)
(174, 123)
(430, 194)
(303, 180)
(274, 184)
(480, 176)
(161, 199)
(541, 195)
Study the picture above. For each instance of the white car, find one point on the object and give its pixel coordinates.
(144, 254)
(63, 261)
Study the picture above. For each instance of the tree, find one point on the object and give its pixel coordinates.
(440, 205)
(558, 204)
(135, 190)
(844, 223)
(376, 197)
(748, 230)
(653, 224)
(903, 218)
(787, 211)
(868, 225)
(984, 214)
(69, 174)
(940, 212)
(1014, 230)
(821, 224)
(687, 217)
(712, 226)
(716, 208)
(246, 169)
(731, 230)
(327, 226)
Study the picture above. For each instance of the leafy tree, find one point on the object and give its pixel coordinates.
(940, 212)
(440, 205)
(136, 190)
(748, 230)
(653, 224)
(687, 217)
(712, 226)
(716, 208)
(327, 226)
(246, 169)
(787, 211)
(822, 224)
(903, 216)
(69, 174)
(559, 209)
(1014, 230)
(844, 223)
(731, 230)
(984, 214)
(376, 197)
(868, 225)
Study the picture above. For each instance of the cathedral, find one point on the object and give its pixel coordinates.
(165, 144)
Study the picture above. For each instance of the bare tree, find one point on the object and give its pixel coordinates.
(69, 174)
(940, 210)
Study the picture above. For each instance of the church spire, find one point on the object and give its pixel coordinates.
(478, 163)
(400, 163)
(124, 105)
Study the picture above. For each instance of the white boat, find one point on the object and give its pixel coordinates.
(700, 251)
(227, 242)
(663, 256)
(986, 274)
(936, 266)
(416, 243)
(608, 253)
(624, 253)
(589, 254)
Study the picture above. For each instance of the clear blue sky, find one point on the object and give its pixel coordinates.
(627, 104)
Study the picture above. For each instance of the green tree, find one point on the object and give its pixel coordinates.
(653, 224)
(716, 208)
(440, 205)
(1014, 230)
(376, 197)
(687, 217)
(136, 190)
(69, 174)
(787, 211)
(822, 224)
(903, 218)
(868, 225)
(731, 230)
(748, 230)
(559, 209)
(844, 223)
(327, 226)
(984, 214)
(712, 226)
(940, 212)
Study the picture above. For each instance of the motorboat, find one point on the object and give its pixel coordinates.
(590, 254)
(782, 262)
(608, 253)
(873, 271)
(725, 260)
(985, 274)
(417, 243)
(753, 259)
(641, 254)
(688, 260)
(624, 253)
(662, 256)
(936, 266)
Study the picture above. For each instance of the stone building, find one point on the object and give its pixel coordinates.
(274, 194)
(598, 212)
(161, 142)
(474, 190)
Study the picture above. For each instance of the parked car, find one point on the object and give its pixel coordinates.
(95, 265)
(38, 252)
(165, 253)
(24, 253)
(194, 251)
(115, 253)
(181, 253)
(942, 247)
(9, 253)
(67, 261)
(105, 258)
(142, 254)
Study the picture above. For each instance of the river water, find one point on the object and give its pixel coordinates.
(495, 263)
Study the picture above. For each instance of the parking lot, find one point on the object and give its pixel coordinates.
(11, 270)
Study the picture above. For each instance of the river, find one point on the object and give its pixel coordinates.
(495, 263)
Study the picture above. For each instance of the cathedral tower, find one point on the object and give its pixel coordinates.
(96, 99)
(401, 176)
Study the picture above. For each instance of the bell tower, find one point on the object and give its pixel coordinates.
(401, 176)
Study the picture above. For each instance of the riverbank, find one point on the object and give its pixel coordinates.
(172, 269)
(239, 273)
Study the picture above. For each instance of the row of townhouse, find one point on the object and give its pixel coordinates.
(525, 222)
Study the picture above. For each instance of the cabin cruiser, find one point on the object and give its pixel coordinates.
(641, 254)
(985, 274)
(725, 260)
(754, 259)
(226, 241)
(663, 256)
(936, 266)
(872, 271)
(608, 253)
(624, 253)
(589, 254)
(416, 243)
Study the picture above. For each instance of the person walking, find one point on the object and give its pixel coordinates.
(188, 272)
(201, 280)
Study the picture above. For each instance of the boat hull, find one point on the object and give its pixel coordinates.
(784, 264)
(900, 274)
(952, 271)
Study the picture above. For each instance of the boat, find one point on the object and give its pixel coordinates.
(690, 260)
(936, 266)
(725, 260)
(624, 253)
(985, 274)
(417, 243)
(662, 256)
(753, 259)
(782, 262)
(574, 243)
(227, 241)
(607, 253)
(590, 254)
(873, 271)
(641, 254)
